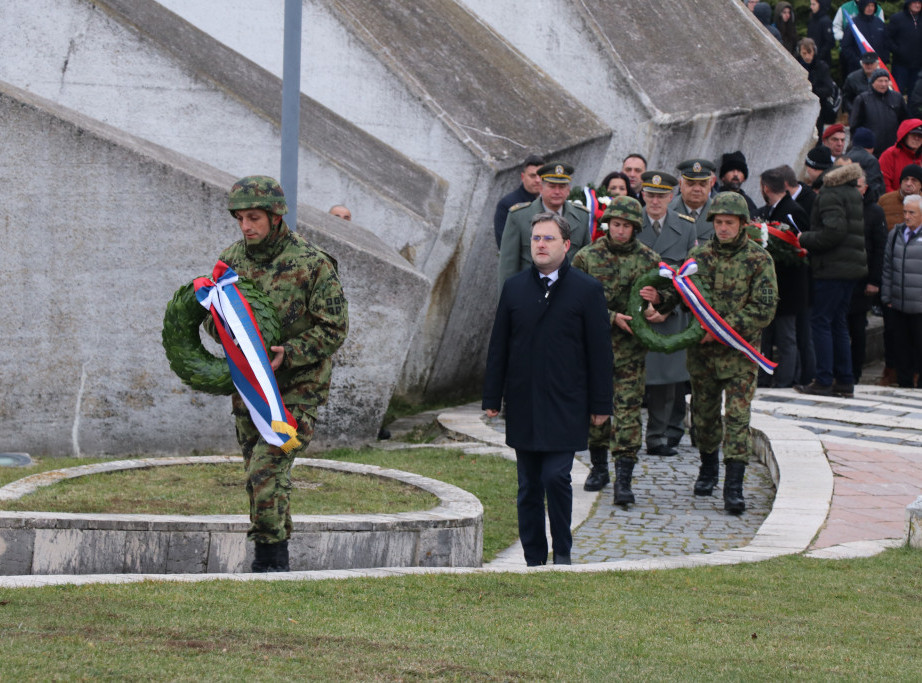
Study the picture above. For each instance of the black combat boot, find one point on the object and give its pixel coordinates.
(624, 470)
(280, 557)
(733, 486)
(264, 556)
(598, 475)
(707, 474)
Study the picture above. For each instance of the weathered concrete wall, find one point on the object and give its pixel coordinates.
(105, 229)
(672, 80)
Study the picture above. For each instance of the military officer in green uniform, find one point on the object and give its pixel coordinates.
(740, 276)
(515, 246)
(617, 260)
(302, 282)
(696, 180)
(672, 236)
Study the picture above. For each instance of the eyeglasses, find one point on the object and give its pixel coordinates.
(546, 238)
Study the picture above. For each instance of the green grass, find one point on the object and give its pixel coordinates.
(218, 489)
(789, 618)
(490, 478)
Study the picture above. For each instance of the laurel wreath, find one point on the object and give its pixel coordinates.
(188, 357)
(650, 338)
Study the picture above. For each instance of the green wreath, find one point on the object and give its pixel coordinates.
(188, 357)
(653, 340)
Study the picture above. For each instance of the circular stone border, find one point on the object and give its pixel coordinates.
(448, 535)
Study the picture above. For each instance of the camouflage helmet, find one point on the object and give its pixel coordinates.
(257, 192)
(730, 204)
(627, 209)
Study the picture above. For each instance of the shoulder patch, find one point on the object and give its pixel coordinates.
(686, 217)
(520, 205)
(578, 206)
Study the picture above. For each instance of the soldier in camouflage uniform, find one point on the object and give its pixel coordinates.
(741, 278)
(617, 260)
(302, 282)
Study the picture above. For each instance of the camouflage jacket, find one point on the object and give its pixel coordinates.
(742, 288)
(303, 283)
(617, 267)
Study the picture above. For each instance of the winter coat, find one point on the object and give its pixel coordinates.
(763, 12)
(875, 242)
(881, 113)
(855, 84)
(819, 28)
(901, 281)
(550, 357)
(835, 241)
(874, 30)
(793, 280)
(904, 35)
(787, 29)
(871, 168)
(894, 159)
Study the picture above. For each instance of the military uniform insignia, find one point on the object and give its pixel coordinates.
(657, 180)
(520, 205)
(696, 167)
(558, 169)
(686, 217)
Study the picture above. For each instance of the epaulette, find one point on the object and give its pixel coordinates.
(578, 206)
(520, 205)
(686, 217)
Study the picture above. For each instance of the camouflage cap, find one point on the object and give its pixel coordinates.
(730, 204)
(627, 209)
(257, 192)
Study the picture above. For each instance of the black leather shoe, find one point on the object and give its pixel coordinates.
(561, 559)
(662, 449)
(673, 441)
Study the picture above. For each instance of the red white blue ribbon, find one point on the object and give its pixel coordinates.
(246, 354)
(709, 318)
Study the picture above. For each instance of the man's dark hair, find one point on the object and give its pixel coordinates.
(773, 179)
(788, 175)
(635, 155)
(532, 160)
(555, 218)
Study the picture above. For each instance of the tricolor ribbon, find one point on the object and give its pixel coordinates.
(592, 203)
(709, 318)
(864, 47)
(246, 354)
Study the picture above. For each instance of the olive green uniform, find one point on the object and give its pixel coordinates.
(743, 290)
(617, 267)
(302, 282)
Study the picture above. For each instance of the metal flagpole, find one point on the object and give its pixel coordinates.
(291, 108)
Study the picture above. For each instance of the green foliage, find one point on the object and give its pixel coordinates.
(791, 618)
(188, 357)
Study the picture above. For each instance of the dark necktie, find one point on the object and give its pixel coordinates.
(547, 285)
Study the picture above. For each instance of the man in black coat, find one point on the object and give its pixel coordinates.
(550, 356)
(793, 283)
(526, 192)
(880, 109)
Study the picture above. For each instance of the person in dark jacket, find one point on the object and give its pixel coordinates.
(880, 109)
(915, 100)
(550, 357)
(904, 35)
(819, 29)
(526, 192)
(763, 12)
(862, 153)
(874, 31)
(901, 290)
(858, 81)
(821, 82)
(793, 284)
(835, 243)
(784, 22)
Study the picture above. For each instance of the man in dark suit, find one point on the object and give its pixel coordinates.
(671, 236)
(525, 193)
(550, 357)
(793, 284)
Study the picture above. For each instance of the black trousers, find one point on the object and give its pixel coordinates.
(907, 339)
(541, 474)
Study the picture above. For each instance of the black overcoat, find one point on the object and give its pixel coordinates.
(551, 358)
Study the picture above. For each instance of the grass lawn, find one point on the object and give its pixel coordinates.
(788, 618)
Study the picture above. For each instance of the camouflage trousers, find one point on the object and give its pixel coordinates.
(268, 471)
(737, 391)
(623, 433)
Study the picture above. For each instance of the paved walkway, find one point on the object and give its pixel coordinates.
(846, 470)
